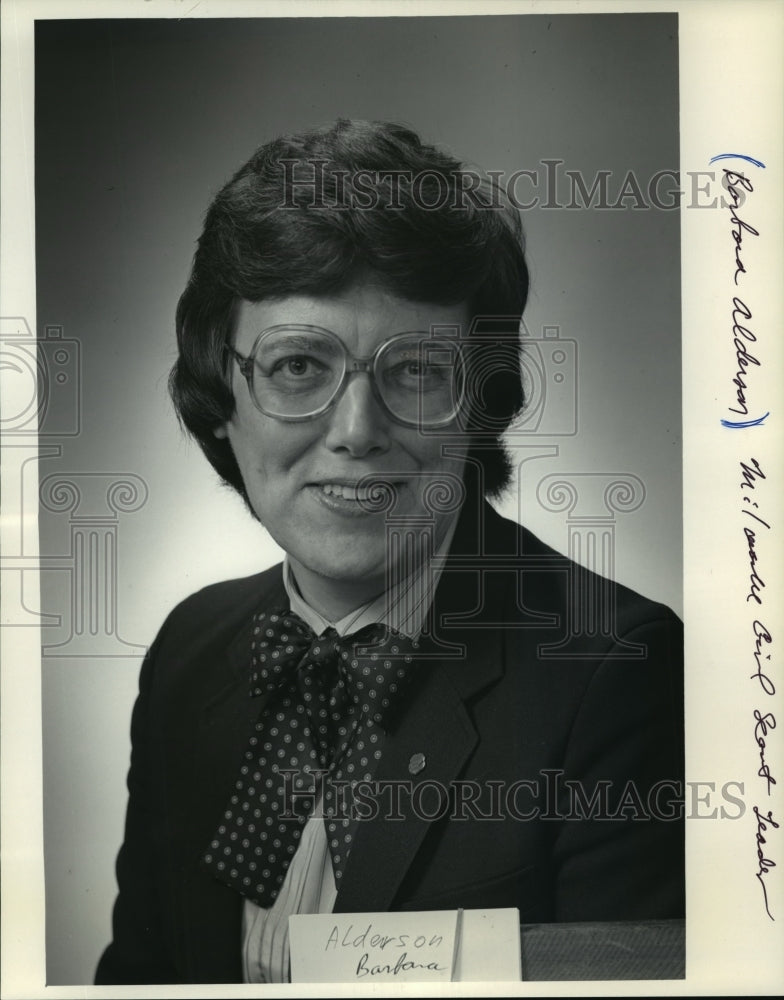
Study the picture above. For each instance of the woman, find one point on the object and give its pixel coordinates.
(390, 719)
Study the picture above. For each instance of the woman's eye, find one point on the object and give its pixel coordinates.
(425, 373)
(410, 369)
(298, 365)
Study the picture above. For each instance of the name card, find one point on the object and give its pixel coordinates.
(438, 946)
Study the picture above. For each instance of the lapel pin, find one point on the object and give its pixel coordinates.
(417, 763)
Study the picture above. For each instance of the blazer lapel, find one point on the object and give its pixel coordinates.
(436, 724)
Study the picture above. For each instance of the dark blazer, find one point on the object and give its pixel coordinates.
(554, 718)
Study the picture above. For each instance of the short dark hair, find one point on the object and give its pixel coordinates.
(316, 211)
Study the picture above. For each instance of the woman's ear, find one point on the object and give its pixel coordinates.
(221, 432)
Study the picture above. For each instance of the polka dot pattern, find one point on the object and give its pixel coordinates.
(319, 733)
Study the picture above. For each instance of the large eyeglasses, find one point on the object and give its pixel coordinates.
(296, 372)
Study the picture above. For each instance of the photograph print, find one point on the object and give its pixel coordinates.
(360, 495)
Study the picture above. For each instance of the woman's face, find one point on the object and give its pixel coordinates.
(301, 478)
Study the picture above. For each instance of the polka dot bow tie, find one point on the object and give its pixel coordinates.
(328, 699)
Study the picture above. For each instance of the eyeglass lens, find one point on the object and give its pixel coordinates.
(297, 373)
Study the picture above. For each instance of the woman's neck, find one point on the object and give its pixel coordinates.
(334, 599)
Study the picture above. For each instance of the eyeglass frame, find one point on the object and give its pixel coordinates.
(357, 364)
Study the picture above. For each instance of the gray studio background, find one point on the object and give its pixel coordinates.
(137, 125)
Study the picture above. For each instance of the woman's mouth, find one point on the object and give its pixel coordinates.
(362, 498)
(346, 492)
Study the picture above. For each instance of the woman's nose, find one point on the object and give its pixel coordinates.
(357, 422)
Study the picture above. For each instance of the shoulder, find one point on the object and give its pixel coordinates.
(559, 584)
(221, 608)
(573, 637)
(202, 643)
(226, 594)
(594, 661)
